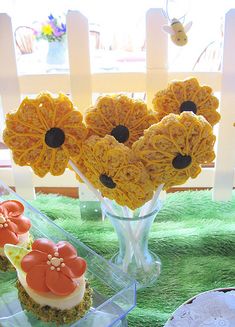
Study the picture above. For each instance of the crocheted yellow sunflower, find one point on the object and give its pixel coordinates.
(44, 133)
(120, 116)
(113, 169)
(173, 150)
(187, 95)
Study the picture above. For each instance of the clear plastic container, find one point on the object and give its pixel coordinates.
(114, 291)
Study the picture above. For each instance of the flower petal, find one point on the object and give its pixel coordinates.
(165, 103)
(36, 278)
(178, 136)
(27, 156)
(61, 159)
(208, 110)
(12, 227)
(45, 109)
(129, 173)
(42, 166)
(73, 146)
(178, 90)
(29, 114)
(98, 124)
(194, 170)
(106, 107)
(7, 236)
(20, 141)
(66, 250)
(13, 207)
(78, 131)
(116, 158)
(16, 123)
(44, 245)
(202, 95)
(23, 224)
(32, 259)
(71, 119)
(77, 266)
(63, 107)
(59, 284)
(191, 87)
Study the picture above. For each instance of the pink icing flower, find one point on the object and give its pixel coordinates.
(53, 267)
(12, 222)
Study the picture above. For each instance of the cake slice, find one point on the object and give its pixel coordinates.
(14, 229)
(51, 282)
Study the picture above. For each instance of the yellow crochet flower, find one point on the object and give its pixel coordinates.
(112, 168)
(120, 116)
(173, 150)
(187, 95)
(44, 133)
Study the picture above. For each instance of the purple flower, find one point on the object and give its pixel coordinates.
(36, 33)
(58, 29)
(63, 27)
(51, 17)
(57, 32)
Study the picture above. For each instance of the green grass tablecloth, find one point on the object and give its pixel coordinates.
(194, 237)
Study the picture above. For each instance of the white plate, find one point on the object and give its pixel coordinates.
(214, 308)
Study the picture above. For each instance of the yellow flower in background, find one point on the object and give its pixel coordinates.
(47, 29)
(112, 168)
(44, 133)
(120, 116)
(187, 95)
(173, 150)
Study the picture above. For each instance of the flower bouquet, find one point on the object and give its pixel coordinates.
(124, 152)
(54, 29)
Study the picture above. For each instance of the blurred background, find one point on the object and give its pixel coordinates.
(117, 33)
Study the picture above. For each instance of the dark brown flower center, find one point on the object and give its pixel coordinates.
(188, 106)
(181, 162)
(55, 137)
(107, 181)
(121, 133)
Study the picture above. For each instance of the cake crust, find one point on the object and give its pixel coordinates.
(5, 264)
(49, 314)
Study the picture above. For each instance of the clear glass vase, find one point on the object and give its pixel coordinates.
(132, 228)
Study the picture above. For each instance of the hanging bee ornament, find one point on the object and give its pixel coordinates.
(178, 32)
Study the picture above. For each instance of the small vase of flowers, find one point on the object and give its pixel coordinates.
(54, 31)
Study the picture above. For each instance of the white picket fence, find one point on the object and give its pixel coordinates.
(81, 83)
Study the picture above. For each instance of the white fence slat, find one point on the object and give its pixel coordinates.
(225, 157)
(10, 94)
(79, 59)
(156, 53)
(85, 194)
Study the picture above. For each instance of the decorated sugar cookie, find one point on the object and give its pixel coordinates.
(45, 133)
(173, 150)
(187, 95)
(120, 116)
(14, 229)
(113, 169)
(51, 282)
